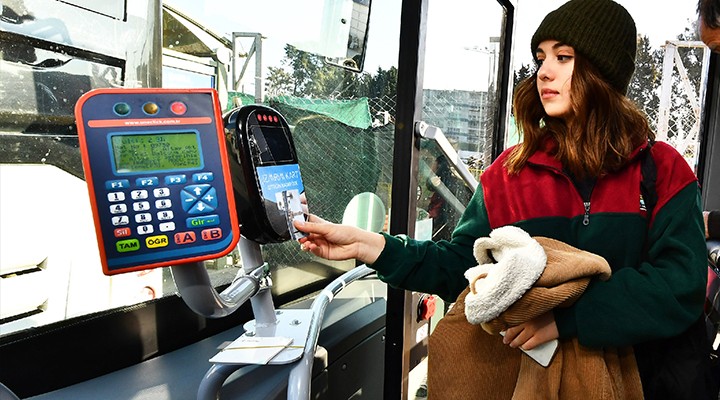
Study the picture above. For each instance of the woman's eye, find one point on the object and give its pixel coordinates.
(539, 63)
(564, 57)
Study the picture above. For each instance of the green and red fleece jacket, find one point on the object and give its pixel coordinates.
(647, 297)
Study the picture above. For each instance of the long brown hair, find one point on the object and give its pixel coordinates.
(604, 129)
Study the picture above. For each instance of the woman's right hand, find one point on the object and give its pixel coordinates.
(339, 242)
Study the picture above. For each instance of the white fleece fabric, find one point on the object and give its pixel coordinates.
(513, 261)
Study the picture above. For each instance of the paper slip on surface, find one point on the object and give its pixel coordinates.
(252, 350)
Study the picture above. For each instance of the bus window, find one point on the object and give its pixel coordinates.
(461, 94)
(54, 52)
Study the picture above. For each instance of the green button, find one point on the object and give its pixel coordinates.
(124, 246)
(121, 109)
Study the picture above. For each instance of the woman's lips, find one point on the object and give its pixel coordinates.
(548, 93)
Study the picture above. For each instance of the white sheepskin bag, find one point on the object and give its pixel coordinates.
(509, 263)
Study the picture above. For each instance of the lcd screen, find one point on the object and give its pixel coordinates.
(273, 144)
(156, 152)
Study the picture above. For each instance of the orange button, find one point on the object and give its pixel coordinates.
(184, 237)
(211, 234)
(122, 232)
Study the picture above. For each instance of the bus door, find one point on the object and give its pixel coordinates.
(454, 73)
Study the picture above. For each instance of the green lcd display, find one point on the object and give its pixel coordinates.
(156, 152)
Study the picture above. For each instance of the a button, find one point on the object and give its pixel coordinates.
(124, 246)
(161, 192)
(200, 208)
(203, 177)
(426, 307)
(167, 226)
(121, 220)
(122, 232)
(165, 215)
(178, 108)
(118, 208)
(147, 181)
(163, 204)
(116, 196)
(139, 194)
(150, 108)
(211, 234)
(175, 179)
(145, 229)
(141, 206)
(122, 109)
(154, 242)
(143, 218)
(184, 237)
(207, 220)
(117, 184)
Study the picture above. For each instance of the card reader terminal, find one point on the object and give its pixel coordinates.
(266, 173)
(156, 167)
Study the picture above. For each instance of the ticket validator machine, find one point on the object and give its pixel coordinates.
(174, 183)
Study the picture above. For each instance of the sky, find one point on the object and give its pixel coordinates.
(458, 51)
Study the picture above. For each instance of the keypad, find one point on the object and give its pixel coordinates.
(142, 214)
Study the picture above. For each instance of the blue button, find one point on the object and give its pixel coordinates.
(196, 190)
(210, 197)
(187, 200)
(117, 184)
(190, 196)
(201, 208)
(199, 222)
(147, 181)
(203, 177)
(175, 179)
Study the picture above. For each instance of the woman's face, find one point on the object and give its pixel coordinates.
(556, 62)
(711, 36)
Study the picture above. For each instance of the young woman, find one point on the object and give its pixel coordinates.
(709, 23)
(576, 177)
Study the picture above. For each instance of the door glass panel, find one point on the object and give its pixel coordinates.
(459, 96)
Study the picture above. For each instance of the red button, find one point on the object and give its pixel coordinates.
(184, 237)
(122, 232)
(426, 307)
(178, 108)
(211, 234)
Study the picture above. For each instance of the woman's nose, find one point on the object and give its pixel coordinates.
(544, 73)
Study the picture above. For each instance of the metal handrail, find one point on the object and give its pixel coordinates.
(425, 130)
(300, 375)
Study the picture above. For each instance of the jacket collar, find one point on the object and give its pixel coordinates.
(545, 156)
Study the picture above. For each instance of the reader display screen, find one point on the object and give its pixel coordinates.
(156, 152)
(273, 145)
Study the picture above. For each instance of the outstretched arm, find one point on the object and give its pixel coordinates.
(339, 242)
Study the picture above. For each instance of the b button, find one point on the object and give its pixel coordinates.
(211, 234)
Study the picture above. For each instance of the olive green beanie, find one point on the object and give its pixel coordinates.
(601, 30)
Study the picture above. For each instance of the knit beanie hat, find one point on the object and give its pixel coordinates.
(601, 30)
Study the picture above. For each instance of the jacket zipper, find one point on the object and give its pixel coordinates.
(586, 201)
(586, 217)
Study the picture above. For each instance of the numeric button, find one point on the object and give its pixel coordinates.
(161, 192)
(141, 206)
(120, 220)
(118, 209)
(116, 196)
(139, 194)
